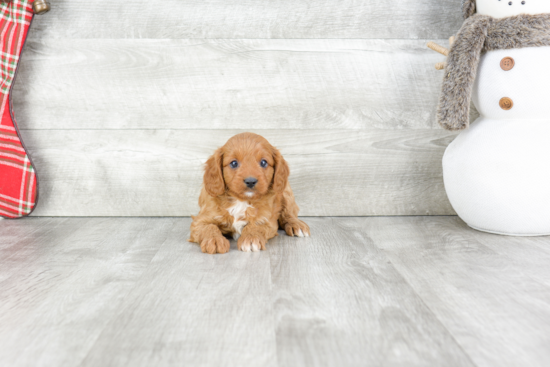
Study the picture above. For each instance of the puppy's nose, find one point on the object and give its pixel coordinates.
(250, 182)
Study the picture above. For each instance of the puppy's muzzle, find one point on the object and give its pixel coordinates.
(250, 182)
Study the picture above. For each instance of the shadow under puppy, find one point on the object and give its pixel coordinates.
(246, 195)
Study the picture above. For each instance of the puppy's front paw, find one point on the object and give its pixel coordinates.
(297, 228)
(248, 242)
(218, 244)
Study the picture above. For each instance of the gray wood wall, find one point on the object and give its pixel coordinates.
(121, 103)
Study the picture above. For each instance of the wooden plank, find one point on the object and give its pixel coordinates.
(192, 309)
(491, 303)
(417, 291)
(16, 235)
(227, 84)
(62, 286)
(531, 255)
(250, 19)
(338, 301)
(159, 172)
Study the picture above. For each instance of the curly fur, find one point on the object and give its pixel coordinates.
(479, 34)
(229, 207)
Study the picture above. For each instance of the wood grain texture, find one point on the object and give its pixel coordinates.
(338, 301)
(61, 281)
(491, 292)
(193, 309)
(407, 291)
(16, 234)
(533, 256)
(159, 172)
(122, 103)
(250, 19)
(227, 84)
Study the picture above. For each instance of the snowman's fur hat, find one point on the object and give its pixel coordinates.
(479, 34)
(468, 8)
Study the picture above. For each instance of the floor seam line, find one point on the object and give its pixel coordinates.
(116, 314)
(427, 306)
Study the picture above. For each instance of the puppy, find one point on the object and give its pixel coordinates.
(246, 195)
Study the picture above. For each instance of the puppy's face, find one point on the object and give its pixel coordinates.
(246, 167)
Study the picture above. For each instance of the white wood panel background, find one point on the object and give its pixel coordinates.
(121, 103)
(251, 19)
(228, 84)
(159, 172)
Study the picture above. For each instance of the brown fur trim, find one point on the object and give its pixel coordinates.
(454, 104)
(479, 34)
(519, 31)
(468, 8)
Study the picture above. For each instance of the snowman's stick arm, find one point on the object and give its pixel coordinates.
(442, 50)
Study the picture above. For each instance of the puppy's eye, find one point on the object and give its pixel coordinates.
(263, 163)
(234, 164)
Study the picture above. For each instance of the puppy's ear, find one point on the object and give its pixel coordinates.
(280, 177)
(213, 174)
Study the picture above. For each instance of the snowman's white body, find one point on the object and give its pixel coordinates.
(497, 172)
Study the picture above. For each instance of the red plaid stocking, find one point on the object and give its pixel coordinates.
(18, 184)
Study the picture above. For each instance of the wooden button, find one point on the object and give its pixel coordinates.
(506, 103)
(507, 63)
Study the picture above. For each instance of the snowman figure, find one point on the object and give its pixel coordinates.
(497, 171)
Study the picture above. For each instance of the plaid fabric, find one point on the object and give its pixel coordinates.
(18, 185)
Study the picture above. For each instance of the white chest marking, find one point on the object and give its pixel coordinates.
(238, 211)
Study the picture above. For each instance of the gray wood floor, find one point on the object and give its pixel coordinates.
(381, 291)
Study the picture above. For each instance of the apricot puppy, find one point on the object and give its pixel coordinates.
(246, 195)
